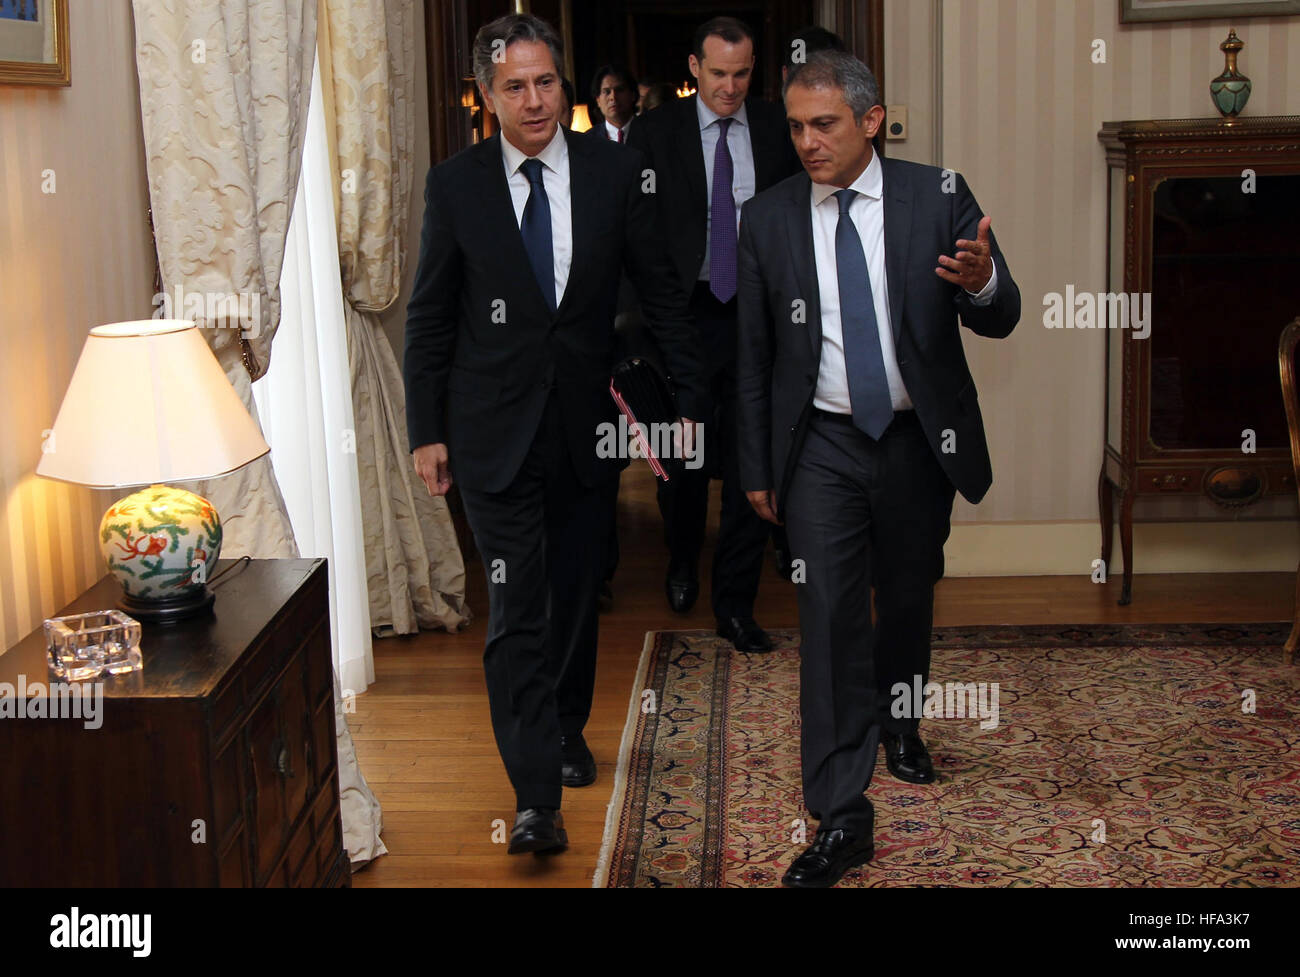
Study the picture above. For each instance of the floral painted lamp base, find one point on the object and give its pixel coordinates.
(161, 543)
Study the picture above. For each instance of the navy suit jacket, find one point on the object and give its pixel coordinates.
(483, 349)
(779, 352)
(670, 138)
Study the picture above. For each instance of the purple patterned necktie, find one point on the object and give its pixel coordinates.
(722, 229)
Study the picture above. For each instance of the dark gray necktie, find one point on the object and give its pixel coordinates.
(536, 231)
(863, 361)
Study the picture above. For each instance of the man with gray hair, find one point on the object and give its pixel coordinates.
(509, 349)
(859, 422)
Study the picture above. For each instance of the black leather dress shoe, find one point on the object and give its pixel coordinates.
(538, 829)
(831, 854)
(682, 586)
(908, 759)
(745, 634)
(577, 765)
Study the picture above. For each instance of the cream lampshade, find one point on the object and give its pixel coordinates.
(148, 403)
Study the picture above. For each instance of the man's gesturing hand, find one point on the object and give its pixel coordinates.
(431, 466)
(972, 268)
(764, 504)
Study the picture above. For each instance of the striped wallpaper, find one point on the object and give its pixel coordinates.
(69, 260)
(1017, 110)
(1001, 89)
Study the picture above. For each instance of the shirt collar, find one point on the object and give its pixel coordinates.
(707, 116)
(870, 183)
(553, 157)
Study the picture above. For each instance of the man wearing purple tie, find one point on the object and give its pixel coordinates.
(711, 153)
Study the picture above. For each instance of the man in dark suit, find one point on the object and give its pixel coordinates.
(509, 342)
(614, 91)
(711, 153)
(859, 421)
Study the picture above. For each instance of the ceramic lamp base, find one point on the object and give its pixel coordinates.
(161, 544)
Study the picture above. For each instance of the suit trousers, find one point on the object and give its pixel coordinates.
(684, 501)
(861, 513)
(541, 540)
(609, 500)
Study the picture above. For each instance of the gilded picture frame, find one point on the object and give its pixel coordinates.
(1148, 11)
(34, 43)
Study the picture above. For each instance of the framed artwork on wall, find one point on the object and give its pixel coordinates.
(1145, 11)
(34, 43)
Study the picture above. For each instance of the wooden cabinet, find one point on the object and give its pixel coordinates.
(1202, 217)
(214, 766)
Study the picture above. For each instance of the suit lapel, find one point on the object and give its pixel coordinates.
(583, 193)
(688, 132)
(799, 231)
(761, 141)
(898, 240)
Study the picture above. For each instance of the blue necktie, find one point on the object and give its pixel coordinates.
(868, 386)
(536, 231)
(722, 226)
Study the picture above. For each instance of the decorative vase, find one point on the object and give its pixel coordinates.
(1231, 90)
(161, 543)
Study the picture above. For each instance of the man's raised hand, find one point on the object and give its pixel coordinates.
(972, 267)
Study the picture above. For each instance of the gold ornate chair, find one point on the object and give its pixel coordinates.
(1286, 356)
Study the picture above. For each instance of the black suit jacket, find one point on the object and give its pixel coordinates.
(669, 136)
(480, 384)
(779, 357)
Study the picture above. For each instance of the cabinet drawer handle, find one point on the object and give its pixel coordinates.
(282, 762)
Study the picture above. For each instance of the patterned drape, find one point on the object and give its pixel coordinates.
(224, 92)
(224, 88)
(414, 567)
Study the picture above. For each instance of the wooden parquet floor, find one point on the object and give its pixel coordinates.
(425, 742)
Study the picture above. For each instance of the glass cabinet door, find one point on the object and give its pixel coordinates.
(1219, 255)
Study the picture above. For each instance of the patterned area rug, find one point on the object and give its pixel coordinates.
(1124, 756)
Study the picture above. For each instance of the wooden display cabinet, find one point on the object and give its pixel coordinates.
(1202, 216)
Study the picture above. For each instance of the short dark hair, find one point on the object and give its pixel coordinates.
(507, 30)
(814, 39)
(570, 95)
(604, 71)
(730, 29)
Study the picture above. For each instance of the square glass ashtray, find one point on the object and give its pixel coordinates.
(83, 646)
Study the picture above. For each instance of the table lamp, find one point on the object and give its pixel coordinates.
(148, 404)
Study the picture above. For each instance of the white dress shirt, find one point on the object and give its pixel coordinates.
(612, 131)
(555, 178)
(743, 181)
(868, 215)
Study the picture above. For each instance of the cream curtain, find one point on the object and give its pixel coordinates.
(416, 576)
(224, 86)
(306, 406)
